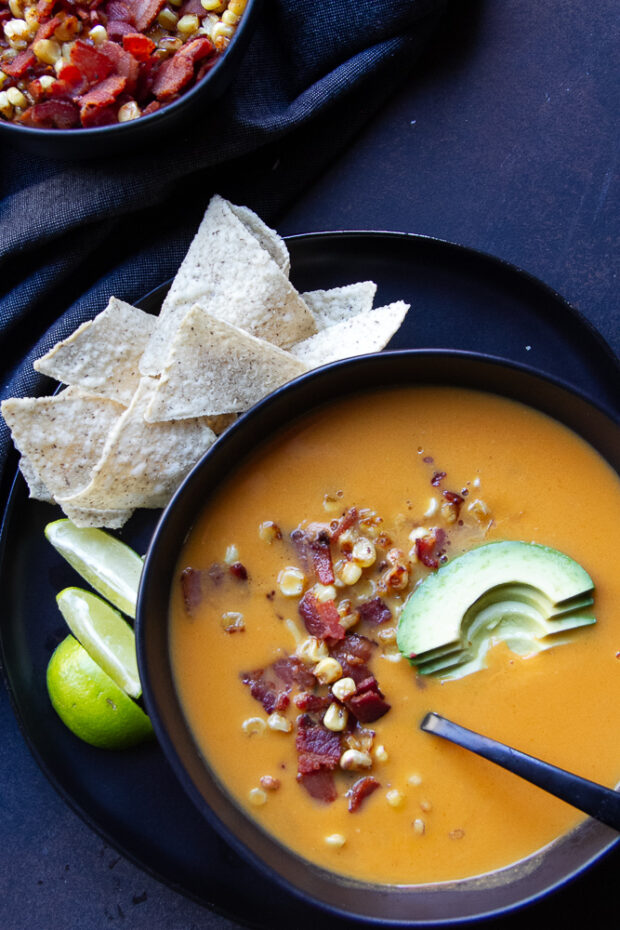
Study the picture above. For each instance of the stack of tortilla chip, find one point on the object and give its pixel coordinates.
(147, 395)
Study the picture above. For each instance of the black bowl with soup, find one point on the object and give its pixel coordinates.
(374, 451)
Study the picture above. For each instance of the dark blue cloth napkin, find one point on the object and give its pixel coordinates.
(73, 233)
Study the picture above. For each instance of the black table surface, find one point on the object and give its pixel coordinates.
(504, 139)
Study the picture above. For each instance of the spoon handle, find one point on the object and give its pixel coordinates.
(595, 800)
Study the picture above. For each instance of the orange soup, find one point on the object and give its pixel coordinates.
(283, 633)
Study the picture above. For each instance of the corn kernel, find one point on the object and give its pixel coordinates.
(128, 111)
(46, 81)
(223, 31)
(335, 840)
(16, 9)
(381, 754)
(354, 760)
(16, 29)
(3, 78)
(98, 35)
(253, 726)
(291, 581)
(232, 554)
(188, 24)
(212, 6)
(336, 718)
(269, 783)
(479, 510)
(394, 798)
(269, 531)
(232, 621)
(294, 630)
(32, 18)
(229, 18)
(47, 50)
(432, 507)
(327, 671)
(311, 650)
(330, 503)
(364, 552)
(387, 635)
(236, 6)
(257, 797)
(348, 615)
(350, 573)
(415, 779)
(5, 105)
(324, 592)
(279, 723)
(426, 806)
(344, 688)
(168, 19)
(419, 826)
(16, 98)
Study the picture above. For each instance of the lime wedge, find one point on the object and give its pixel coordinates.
(111, 567)
(106, 636)
(90, 704)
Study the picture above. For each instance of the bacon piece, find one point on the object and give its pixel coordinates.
(178, 71)
(138, 45)
(94, 65)
(145, 12)
(191, 588)
(122, 63)
(374, 611)
(368, 703)
(320, 785)
(353, 653)
(438, 478)
(362, 788)
(153, 107)
(117, 29)
(46, 30)
(100, 98)
(238, 570)
(455, 500)
(347, 520)
(428, 548)
(51, 114)
(292, 670)
(70, 81)
(313, 546)
(264, 690)
(45, 7)
(317, 747)
(311, 703)
(321, 618)
(20, 64)
(193, 7)
(115, 10)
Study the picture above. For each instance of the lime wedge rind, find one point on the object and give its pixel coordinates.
(111, 567)
(105, 634)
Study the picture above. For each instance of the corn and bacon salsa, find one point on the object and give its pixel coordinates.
(283, 632)
(68, 64)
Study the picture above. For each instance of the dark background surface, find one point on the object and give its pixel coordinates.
(504, 139)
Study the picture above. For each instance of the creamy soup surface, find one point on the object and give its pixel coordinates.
(437, 813)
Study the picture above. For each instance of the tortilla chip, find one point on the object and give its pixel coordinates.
(366, 332)
(102, 355)
(215, 368)
(267, 237)
(142, 464)
(227, 272)
(340, 303)
(61, 439)
(36, 487)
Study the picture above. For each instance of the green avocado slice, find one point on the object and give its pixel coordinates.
(527, 595)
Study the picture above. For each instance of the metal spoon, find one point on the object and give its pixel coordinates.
(595, 800)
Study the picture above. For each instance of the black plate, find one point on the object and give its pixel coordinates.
(460, 299)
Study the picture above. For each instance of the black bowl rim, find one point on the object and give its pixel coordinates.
(151, 119)
(603, 846)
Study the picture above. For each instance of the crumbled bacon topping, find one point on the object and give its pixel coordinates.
(313, 547)
(429, 547)
(360, 790)
(321, 618)
(374, 611)
(317, 747)
(368, 703)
